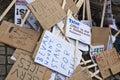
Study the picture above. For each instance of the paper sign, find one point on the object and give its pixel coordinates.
(18, 37)
(56, 54)
(78, 31)
(47, 12)
(20, 9)
(25, 69)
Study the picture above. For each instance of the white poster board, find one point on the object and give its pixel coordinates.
(56, 54)
(78, 31)
(29, 1)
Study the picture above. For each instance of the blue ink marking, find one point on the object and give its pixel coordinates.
(63, 66)
(65, 60)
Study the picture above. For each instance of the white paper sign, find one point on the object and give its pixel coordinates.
(29, 1)
(56, 54)
(78, 31)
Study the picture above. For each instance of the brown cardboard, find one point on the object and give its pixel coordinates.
(100, 36)
(18, 52)
(69, 5)
(113, 60)
(25, 69)
(47, 12)
(80, 74)
(103, 65)
(18, 37)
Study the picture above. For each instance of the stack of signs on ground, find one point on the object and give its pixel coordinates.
(47, 12)
(18, 37)
(108, 61)
(78, 31)
(25, 69)
(56, 54)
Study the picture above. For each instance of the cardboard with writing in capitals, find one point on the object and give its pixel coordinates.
(47, 12)
(25, 69)
(18, 37)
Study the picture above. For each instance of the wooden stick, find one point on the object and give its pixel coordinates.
(88, 11)
(103, 13)
(83, 17)
(79, 3)
(117, 33)
(63, 4)
(75, 55)
(6, 11)
(25, 18)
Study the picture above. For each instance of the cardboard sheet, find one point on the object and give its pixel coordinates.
(18, 37)
(47, 12)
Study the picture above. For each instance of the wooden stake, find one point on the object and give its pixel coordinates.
(103, 13)
(25, 18)
(117, 33)
(80, 3)
(83, 17)
(6, 11)
(63, 4)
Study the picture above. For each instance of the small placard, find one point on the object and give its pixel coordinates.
(56, 54)
(78, 30)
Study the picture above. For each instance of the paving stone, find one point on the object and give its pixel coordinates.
(2, 59)
(2, 50)
(2, 78)
(2, 70)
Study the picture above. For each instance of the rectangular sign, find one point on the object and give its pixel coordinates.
(78, 30)
(56, 54)
(18, 37)
(25, 69)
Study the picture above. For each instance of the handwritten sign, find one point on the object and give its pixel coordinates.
(25, 69)
(56, 54)
(47, 12)
(78, 31)
(18, 37)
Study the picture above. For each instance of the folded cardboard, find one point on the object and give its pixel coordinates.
(18, 37)
(100, 36)
(25, 69)
(47, 12)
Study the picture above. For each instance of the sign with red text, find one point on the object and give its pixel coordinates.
(56, 54)
(78, 31)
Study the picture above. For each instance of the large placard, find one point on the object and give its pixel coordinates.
(56, 54)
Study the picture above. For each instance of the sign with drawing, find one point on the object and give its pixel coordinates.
(78, 30)
(56, 54)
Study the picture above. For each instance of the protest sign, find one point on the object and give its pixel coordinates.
(78, 31)
(18, 37)
(25, 69)
(17, 53)
(20, 9)
(29, 1)
(47, 12)
(56, 54)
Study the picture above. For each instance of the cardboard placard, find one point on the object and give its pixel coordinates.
(47, 12)
(18, 52)
(80, 74)
(18, 37)
(77, 30)
(103, 65)
(56, 54)
(25, 69)
(100, 36)
(69, 5)
(113, 60)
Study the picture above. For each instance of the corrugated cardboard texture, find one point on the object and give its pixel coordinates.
(17, 53)
(100, 36)
(69, 5)
(80, 74)
(18, 37)
(25, 69)
(103, 65)
(47, 12)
